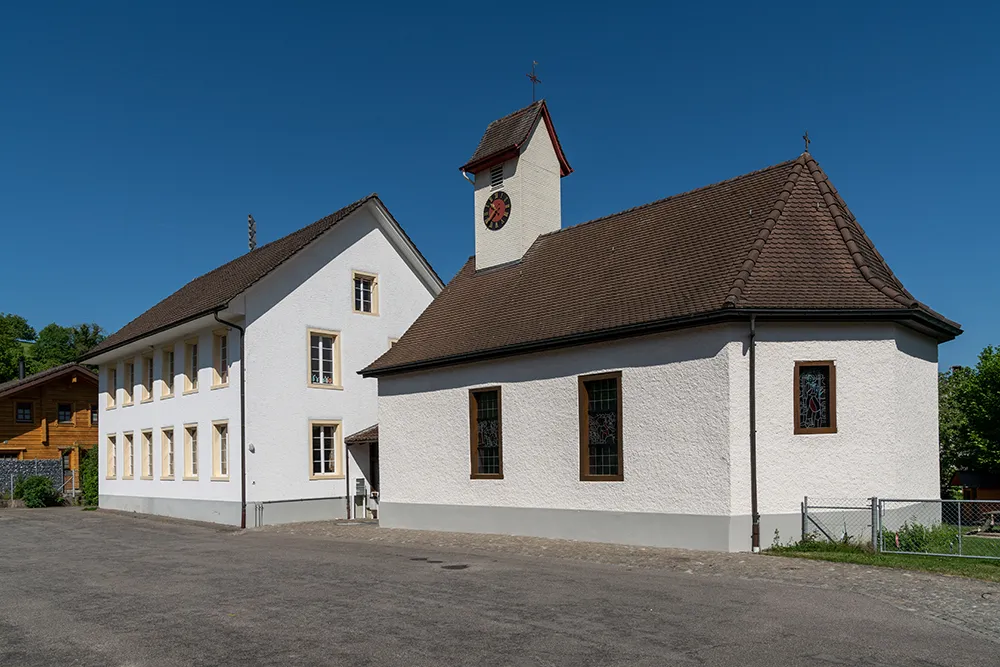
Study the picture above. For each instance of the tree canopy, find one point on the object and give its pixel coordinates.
(969, 414)
(52, 346)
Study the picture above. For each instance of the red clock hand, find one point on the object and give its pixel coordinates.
(495, 213)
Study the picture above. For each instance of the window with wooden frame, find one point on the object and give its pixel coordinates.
(815, 397)
(146, 456)
(485, 433)
(112, 452)
(128, 466)
(220, 450)
(24, 412)
(94, 414)
(326, 450)
(220, 358)
(112, 386)
(129, 383)
(167, 372)
(365, 293)
(147, 379)
(191, 451)
(601, 456)
(65, 413)
(324, 359)
(191, 366)
(167, 453)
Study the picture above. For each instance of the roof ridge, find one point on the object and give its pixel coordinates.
(678, 195)
(514, 113)
(740, 281)
(837, 208)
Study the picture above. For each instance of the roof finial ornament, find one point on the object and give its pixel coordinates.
(252, 231)
(805, 138)
(534, 79)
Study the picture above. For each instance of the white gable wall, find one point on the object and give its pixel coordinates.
(316, 291)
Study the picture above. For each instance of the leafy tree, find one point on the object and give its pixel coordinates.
(969, 416)
(13, 330)
(86, 337)
(89, 470)
(57, 345)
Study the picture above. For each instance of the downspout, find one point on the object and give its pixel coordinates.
(347, 479)
(243, 418)
(755, 515)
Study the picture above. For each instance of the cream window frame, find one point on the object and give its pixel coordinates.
(191, 363)
(338, 472)
(190, 452)
(111, 380)
(111, 444)
(147, 378)
(168, 453)
(168, 371)
(221, 456)
(128, 455)
(220, 358)
(336, 359)
(128, 384)
(146, 454)
(364, 275)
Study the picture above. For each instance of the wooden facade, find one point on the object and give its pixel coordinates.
(50, 415)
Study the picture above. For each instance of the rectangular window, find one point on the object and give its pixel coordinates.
(64, 413)
(221, 367)
(112, 386)
(220, 451)
(147, 455)
(24, 413)
(94, 414)
(815, 397)
(601, 427)
(167, 372)
(325, 447)
(191, 452)
(324, 359)
(112, 457)
(129, 383)
(9, 455)
(486, 433)
(147, 378)
(127, 456)
(365, 293)
(191, 366)
(167, 453)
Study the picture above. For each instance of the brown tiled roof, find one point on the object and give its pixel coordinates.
(363, 437)
(15, 386)
(778, 238)
(504, 137)
(215, 289)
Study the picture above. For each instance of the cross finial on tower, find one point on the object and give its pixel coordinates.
(534, 79)
(805, 138)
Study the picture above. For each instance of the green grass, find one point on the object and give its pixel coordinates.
(987, 570)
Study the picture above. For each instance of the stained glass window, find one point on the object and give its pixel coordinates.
(814, 396)
(487, 425)
(602, 427)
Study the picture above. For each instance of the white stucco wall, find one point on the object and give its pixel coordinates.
(532, 181)
(316, 291)
(201, 407)
(675, 458)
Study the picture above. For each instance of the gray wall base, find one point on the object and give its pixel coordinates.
(213, 511)
(684, 531)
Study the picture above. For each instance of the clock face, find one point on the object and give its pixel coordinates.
(497, 210)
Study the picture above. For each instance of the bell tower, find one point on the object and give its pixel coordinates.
(516, 170)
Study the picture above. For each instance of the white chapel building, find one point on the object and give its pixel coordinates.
(232, 400)
(661, 376)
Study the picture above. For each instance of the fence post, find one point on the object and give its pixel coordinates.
(959, 527)
(805, 517)
(875, 530)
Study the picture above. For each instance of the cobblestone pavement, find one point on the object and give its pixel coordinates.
(969, 604)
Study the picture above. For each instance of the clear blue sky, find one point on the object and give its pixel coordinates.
(136, 138)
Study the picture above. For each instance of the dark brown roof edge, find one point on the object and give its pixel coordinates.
(41, 377)
(166, 327)
(736, 291)
(511, 151)
(365, 436)
(919, 319)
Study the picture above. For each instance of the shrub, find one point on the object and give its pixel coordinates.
(914, 536)
(89, 471)
(36, 491)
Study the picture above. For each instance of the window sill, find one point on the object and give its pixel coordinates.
(127, 405)
(65, 423)
(817, 431)
(219, 386)
(484, 476)
(220, 479)
(110, 407)
(602, 478)
(362, 312)
(145, 477)
(338, 387)
(322, 477)
(147, 400)
(130, 478)
(187, 478)
(166, 396)
(110, 477)
(166, 479)
(188, 392)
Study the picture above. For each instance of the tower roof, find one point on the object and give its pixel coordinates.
(780, 240)
(505, 137)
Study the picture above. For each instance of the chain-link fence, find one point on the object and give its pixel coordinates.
(967, 528)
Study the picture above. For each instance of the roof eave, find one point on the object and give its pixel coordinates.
(29, 382)
(917, 319)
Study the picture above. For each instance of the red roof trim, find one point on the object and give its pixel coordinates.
(512, 152)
